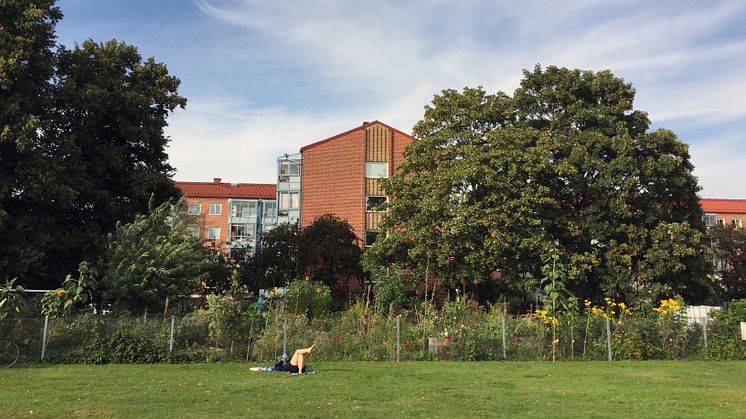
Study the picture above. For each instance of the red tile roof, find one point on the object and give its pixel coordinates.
(723, 206)
(361, 127)
(217, 189)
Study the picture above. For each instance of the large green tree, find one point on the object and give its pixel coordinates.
(275, 262)
(330, 253)
(27, 180)
(81, 143)
(729, 243)
(494, 182)
(153, 258)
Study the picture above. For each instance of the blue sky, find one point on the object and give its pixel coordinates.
(263, 78)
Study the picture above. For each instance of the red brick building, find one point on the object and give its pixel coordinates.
(724, 211)
(341, 175)
(231, 214)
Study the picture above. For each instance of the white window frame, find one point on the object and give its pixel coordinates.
(377, 233)
(218, 206)
(367, 205)
(287, 165)
(213, 233)
(736, 222)
(374, 169)
(293, 200)
(192, 205)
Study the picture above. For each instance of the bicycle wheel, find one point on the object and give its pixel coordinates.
(9, 353)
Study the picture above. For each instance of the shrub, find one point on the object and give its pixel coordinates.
(309, 298)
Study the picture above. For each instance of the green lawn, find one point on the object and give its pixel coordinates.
(368, 389)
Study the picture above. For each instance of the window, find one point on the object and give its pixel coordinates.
(242, 231)
(376, 169)
(194, 209)
(193, 231)
(289, 167)
(213, 233)
(216, 209)
(269, 209)
(736, 223)
(242, 209)
(373, 203)
(370, 238)
(721, 222)
(290, 200)
(709, 219)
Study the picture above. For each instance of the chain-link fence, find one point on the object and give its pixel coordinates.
(356, 336)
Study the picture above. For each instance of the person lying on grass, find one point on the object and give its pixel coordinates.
(297, 361)
(296, 364)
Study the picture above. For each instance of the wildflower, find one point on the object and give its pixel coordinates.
(60, 293)
(587, 303)
(318, 290)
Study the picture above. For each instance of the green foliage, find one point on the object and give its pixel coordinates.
(81, 140)
(11, 299)
(729, 245)
(330, 252)
(725, 332)
(128, 341)
(74, 291)
(275, 262)
(309, 298)
(388, 288)
(494, 181)
(153, 258)
(225, 313)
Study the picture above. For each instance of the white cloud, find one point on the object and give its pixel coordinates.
(389, 58)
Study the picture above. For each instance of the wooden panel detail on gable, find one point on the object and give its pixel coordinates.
(372, 220)
(377, 140)
(373, 187)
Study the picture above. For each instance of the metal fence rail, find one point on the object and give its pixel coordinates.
(351, 336)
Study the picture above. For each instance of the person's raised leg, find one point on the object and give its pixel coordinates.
(297, 358)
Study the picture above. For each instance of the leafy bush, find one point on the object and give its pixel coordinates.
(388, 288)
(725, 333)
(309, 298)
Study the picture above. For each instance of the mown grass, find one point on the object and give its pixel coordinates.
(370, 389)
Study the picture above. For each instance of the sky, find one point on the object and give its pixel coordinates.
(264, 78)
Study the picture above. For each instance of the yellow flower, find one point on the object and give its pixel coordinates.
(318, 290)
(59, 293)
(587, 303)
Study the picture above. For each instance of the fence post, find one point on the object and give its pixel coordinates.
(171, 340)
(704, 332)
(398, 329)
(505, 346)
(44, 337)
(608, 337)
(284, 332)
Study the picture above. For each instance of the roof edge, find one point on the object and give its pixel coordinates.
(361, 127)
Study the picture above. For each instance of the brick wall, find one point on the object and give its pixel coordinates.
(334, 178)
(205, 220)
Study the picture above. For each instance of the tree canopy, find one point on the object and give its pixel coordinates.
(729, 243)
(81, 143)
(330, 252)
(494, 182)
(153, 258)
(275, 261)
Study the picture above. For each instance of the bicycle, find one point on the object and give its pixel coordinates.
(9, 353)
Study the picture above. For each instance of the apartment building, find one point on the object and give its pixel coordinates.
(230, 214)
(723, 211)
(341, 175)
